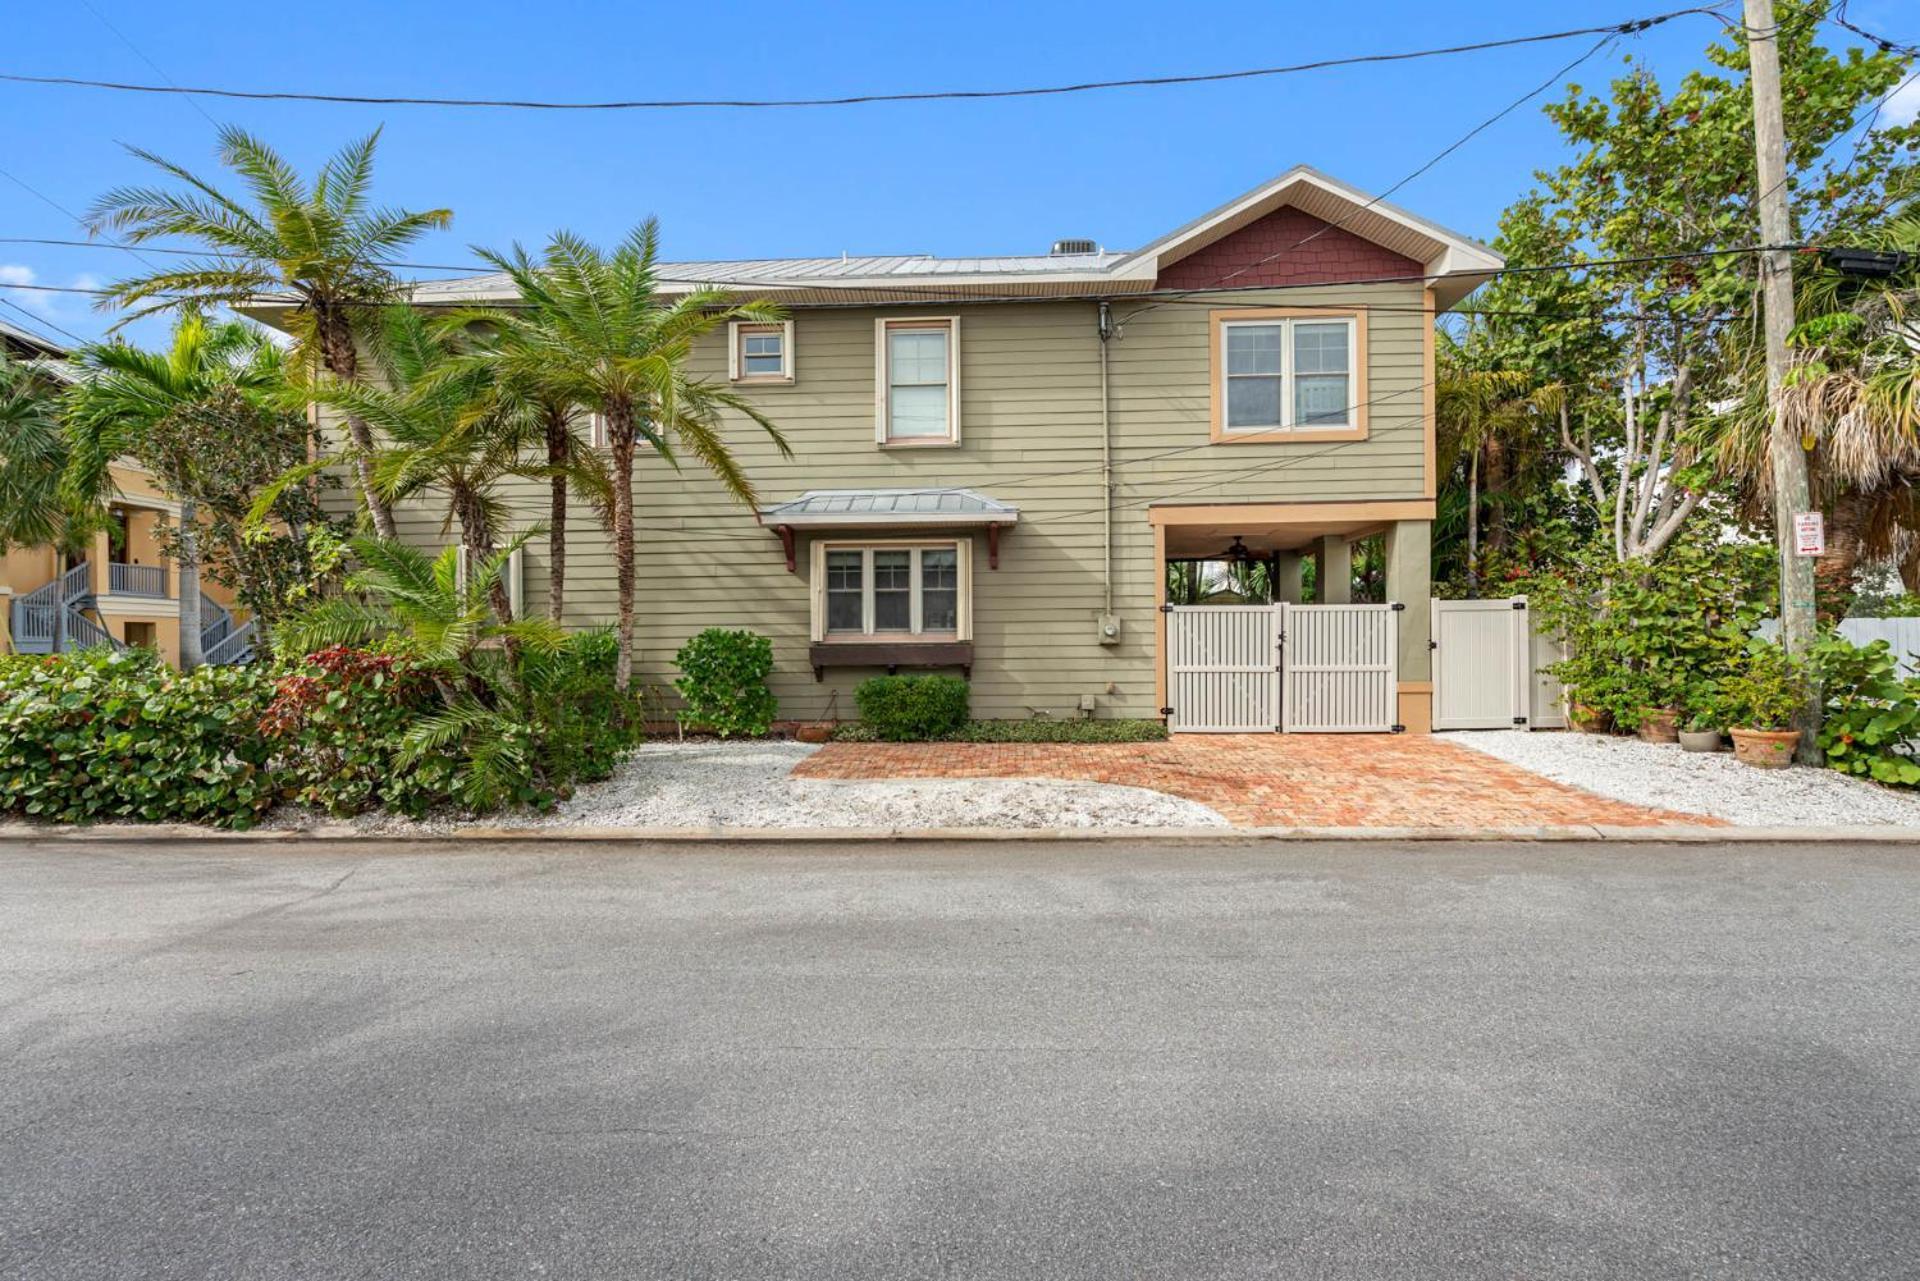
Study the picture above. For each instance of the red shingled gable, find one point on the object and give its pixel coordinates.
(1333, 254)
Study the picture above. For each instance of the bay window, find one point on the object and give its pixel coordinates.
(890, 591)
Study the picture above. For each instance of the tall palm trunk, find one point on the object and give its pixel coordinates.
(559, 450)
(620, 433)
(476, 535)
(1499, 472)
(1836, 574)
(191, 655)
(1473, 524)
(338, 355)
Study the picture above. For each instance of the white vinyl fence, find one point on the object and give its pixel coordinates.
(1487, 661)
(1902, 635)
(1340, 667)
(1223, 668)
(1297, 668)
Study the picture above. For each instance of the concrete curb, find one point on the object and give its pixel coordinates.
(170, 833)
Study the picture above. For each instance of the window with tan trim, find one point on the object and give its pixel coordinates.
(892, 589)
(760, 352)
(1288, 373)
(917, 381)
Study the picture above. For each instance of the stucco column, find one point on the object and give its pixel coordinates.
(1410, 583)
(1335, 578)
(1289, 577)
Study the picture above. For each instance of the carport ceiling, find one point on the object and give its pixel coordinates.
(1193, 542)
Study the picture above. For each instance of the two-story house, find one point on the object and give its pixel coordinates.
(995, 458)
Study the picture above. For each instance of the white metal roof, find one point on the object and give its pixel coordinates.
(834, 508)
(1454, 264)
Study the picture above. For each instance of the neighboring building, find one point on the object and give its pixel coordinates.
(118, 589)
(994, 458)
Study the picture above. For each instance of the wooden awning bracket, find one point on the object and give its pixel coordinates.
(786, 544)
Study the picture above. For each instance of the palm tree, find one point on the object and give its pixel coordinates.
(1473, 407)
(445, 430)
(33, 454)
(1853, 397)
(125, 392)
(513, 368)
(601, 336)
(321, 244)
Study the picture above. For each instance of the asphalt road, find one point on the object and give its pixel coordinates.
(985, 1061)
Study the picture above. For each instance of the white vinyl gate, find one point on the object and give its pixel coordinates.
(1486, 667)
(1297, 668)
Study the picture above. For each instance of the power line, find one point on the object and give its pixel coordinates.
(471, 267)
(138, 53)
(40, 320)
(1629, 27)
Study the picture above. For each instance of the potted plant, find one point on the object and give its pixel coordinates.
(1701, 729)
(1764, 695)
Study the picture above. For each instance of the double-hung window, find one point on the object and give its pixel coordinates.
(891, 591)
(760, 352)
(917, 388)
(1280, 374)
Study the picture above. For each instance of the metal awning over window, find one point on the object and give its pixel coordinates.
(894, 508)
(822, 510)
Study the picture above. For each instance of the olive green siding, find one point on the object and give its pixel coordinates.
(1031, 436)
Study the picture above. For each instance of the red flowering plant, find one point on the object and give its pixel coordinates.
(337, 722)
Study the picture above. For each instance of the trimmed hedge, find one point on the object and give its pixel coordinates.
(904, 709)
(102, 735)
(1032, 731)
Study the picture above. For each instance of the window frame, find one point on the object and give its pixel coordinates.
(1222, 323)
(737, 332)
(961, 546)
(883, 381)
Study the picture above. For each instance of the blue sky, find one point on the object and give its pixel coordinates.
(943, 178)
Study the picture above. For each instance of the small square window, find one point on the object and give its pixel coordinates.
(762, 352)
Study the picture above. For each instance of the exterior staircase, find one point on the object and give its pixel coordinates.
(53, 619)
(63, 616)
(223, 641)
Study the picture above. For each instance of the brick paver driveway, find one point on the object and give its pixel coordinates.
(1275, 780)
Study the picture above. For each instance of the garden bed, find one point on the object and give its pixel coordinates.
(1714, 784)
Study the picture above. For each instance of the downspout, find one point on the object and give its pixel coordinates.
(1106, 465)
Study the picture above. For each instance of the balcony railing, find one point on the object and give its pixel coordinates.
(137, 580)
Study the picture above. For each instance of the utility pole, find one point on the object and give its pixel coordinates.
(1790, 495)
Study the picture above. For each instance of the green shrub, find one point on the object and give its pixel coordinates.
(1642, 635)
(1766, 689)
(723, 678)
(910, 708)
(1117, 730)
(1872, 714)
(337, 728)
(102, 735)
(584, 722)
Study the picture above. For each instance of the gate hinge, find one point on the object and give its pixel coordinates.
(1519, 604)
(1397, 606)
(1519, 720)
(1433, 644)
(1166, 711)
(1398, 729)
(1166, 609)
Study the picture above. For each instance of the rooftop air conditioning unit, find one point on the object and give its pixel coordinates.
(1064, 247)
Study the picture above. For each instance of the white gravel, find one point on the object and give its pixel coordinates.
(1663, 776)
(712, 785)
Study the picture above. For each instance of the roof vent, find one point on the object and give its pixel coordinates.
(1064, 247)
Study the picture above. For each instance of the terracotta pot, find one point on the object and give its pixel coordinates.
(1657, 725)
(1587, 720)
(1701, 740)
(817, 732)
(1765, 748)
